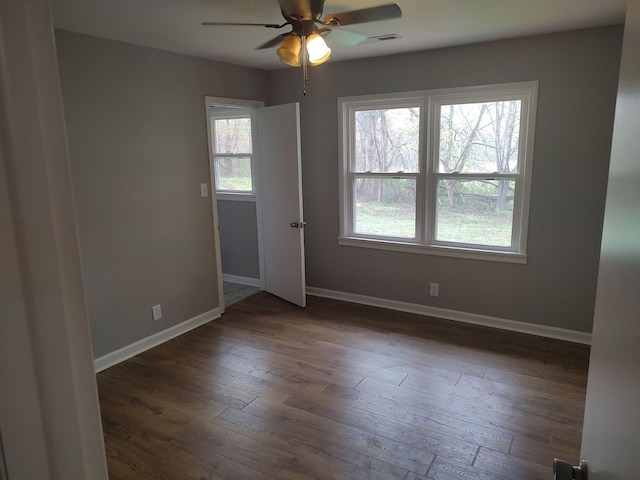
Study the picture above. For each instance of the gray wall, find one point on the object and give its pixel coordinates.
(239, 238)
(578, 74)
(612, 418)
(137, 138)
(138, 147)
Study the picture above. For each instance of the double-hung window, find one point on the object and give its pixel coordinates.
(231, 134)
(444, 172)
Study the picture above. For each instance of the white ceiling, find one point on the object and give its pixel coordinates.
(174, 25)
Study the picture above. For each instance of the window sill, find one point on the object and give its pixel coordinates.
(237, 197)
(399, 246)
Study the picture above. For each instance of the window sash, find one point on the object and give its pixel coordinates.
(436, 102)
(229, 116)
(215, 156)
(218, 189)
(516, 218)
(419, 215)
(385, 105)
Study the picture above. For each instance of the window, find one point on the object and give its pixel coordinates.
(443, 172)
(231, 134)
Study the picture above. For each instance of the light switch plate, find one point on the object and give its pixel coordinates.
(204, 190)
(157, 312)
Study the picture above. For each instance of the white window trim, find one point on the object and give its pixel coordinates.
(428, 101)
(239, 196)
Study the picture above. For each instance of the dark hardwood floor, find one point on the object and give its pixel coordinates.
(343, 391)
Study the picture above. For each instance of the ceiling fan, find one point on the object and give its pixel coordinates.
(304, 44)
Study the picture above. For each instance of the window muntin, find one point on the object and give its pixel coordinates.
(470, 185)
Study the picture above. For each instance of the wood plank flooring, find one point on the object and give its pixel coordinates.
(341, 391)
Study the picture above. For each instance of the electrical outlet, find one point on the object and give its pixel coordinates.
(434, 289)
(157, 312)
(204, 190)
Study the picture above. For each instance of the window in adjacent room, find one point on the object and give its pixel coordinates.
(443, 172)
(231, 131)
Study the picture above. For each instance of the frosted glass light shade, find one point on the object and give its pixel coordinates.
(289, 51)
(317, 49)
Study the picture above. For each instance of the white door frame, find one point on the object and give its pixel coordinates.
(45, 342)
(236, 103)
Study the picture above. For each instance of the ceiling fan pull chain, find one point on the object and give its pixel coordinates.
(305, 72)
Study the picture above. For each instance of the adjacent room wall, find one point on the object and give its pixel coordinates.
(238, 225)
(239, 238)
(578, 74)
(136, 126)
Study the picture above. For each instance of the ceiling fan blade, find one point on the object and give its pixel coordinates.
(277, 40)
(267, 25)
(346, 37)
(373, 14)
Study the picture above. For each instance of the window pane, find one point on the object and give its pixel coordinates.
(385, 206)
(475, 211)
(232, 135)
(480, 137)
(233, 173)
(387, 140)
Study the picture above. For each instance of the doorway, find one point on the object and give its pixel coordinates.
(232, 130)
(256, 183)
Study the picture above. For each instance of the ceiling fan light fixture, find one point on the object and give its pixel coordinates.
(289, 51)
(317, 49)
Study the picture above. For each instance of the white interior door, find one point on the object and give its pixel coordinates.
(280, 194)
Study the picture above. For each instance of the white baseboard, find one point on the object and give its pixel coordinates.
(122, 354)
(485, 320)
(252, 282)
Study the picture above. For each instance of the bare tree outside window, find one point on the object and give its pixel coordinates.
(232, 135)
(387, 140)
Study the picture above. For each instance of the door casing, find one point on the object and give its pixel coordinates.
(252, 105)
